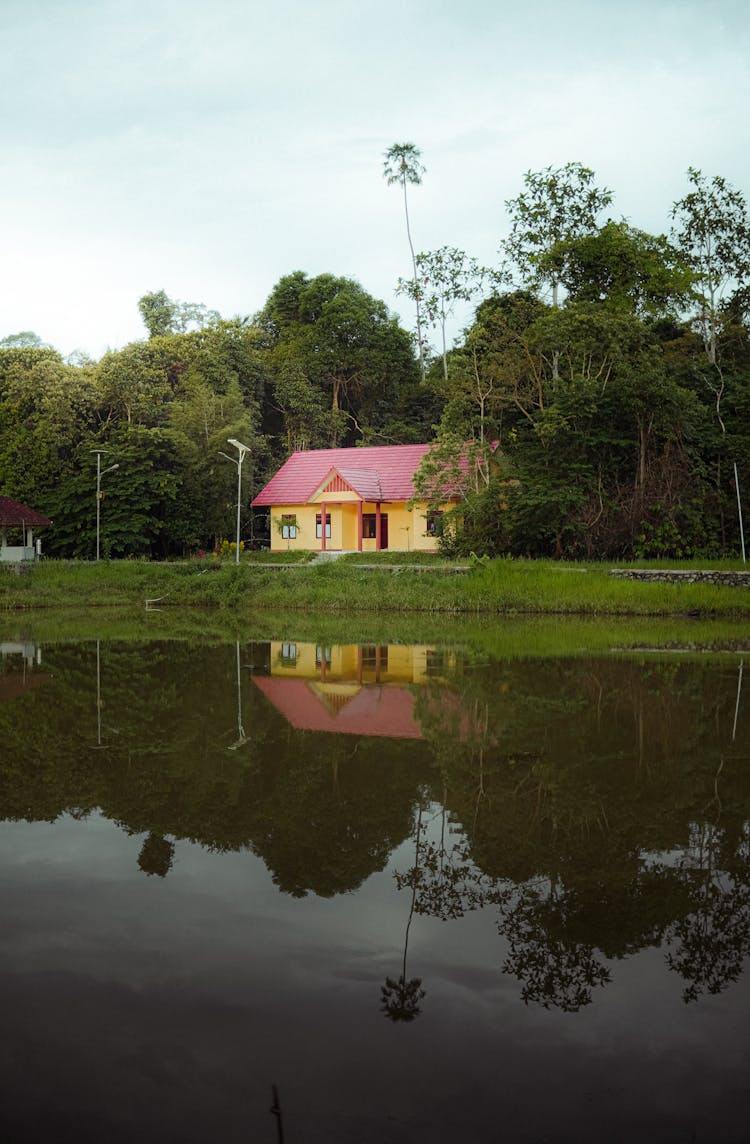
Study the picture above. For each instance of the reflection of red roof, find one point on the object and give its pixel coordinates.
(387, 469)
(13, 514)
(375, 709)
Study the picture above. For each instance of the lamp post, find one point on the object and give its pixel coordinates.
(100, 472)
(242, 451)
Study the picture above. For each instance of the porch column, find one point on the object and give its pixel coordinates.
(377, 527)
(323, 526)
(359, 526)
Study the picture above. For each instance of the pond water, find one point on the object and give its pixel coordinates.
(265, 890)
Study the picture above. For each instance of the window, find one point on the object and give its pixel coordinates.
(319, 526)
(368, 525)
(374, 658)
(323, 656)
(289, 527)
(289, 654)
(434, 524)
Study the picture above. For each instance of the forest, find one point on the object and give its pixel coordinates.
(595, 407)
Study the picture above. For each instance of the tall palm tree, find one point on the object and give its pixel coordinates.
(403, 165)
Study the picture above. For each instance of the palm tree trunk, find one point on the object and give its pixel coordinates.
(416, 282)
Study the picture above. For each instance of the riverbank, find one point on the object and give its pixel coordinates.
(497, 587)
(503, 637)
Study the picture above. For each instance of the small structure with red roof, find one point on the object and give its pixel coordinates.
(19, 518)
(350, 499)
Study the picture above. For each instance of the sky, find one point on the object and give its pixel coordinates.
(207, 149)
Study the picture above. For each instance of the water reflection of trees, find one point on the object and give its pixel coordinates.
(598, 807)
(578, 786)
(707, 945)
(323, 811)
(401, 996)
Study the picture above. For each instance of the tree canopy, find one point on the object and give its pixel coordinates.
(602, 387)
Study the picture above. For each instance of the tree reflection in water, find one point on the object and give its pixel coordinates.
(400, 998)
(708, 946)
(554, 971)
(599, 805)
(156, 856)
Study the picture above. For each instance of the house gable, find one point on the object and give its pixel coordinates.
(349, 484)
(374, 472)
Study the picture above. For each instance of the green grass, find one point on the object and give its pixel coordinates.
(501, 587)
(265, 556)
(427, 559)
(501, 637)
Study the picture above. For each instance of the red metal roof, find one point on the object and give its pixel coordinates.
(366, 482)
(13, 514)
(377, 710)
(388, 469)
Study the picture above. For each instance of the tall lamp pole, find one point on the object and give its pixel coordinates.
(242, 451)
(100, 472)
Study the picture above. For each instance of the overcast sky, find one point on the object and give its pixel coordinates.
(207, 147)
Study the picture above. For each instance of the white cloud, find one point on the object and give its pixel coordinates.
(210, 149)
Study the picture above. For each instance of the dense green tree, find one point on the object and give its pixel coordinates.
(47, 409)
(162, 315)
(712, 228)
(626, 269)
(556, 206)
(157, 311)
(25, 339)
(328, 333)
(136, 502)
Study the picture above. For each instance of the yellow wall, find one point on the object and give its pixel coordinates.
(407, 531)
(306, 538)
(399, 663)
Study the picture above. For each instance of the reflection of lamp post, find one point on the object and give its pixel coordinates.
(100, 706)
(737, 704)
(98, 697)
(99, 474)
(242, 451)
(241, 736)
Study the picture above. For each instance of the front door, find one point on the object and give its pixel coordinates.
(383, 530)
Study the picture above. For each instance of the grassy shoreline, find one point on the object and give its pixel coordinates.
(497, 588)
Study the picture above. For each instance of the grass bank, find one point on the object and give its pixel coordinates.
(500, 587)
(507, 637)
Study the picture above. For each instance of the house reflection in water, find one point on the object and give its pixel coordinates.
(349, 689)
(20, 663)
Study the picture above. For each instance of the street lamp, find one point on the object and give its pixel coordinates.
(242, 450)
(100, 472)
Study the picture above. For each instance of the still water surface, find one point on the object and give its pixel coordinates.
(426, 894)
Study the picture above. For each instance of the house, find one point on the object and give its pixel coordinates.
(18, 518)
(350, 500)
(350, 689)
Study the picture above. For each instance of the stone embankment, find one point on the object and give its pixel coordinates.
(684, 576)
